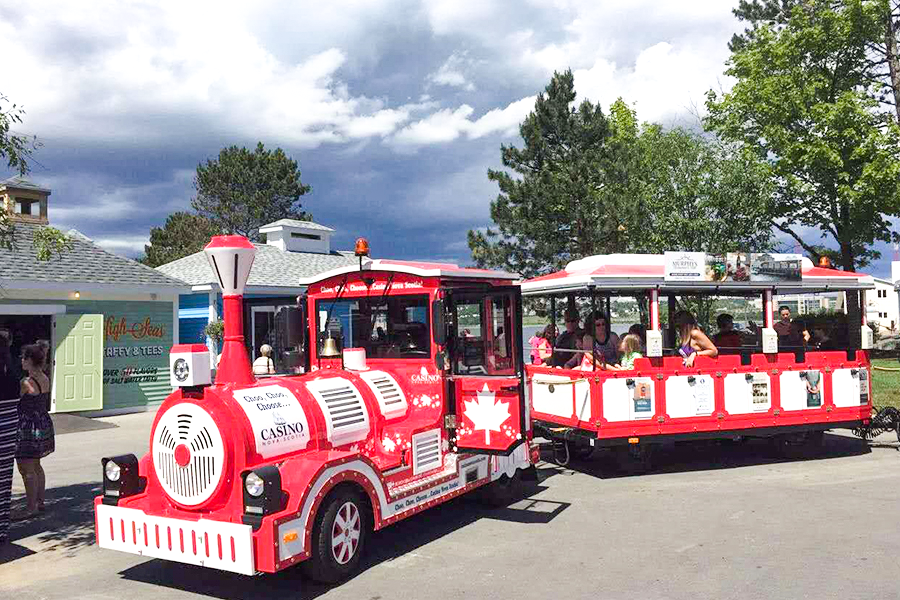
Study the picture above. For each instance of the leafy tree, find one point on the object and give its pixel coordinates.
(801, 103)
(18, 149)
(553, 207)
(183, 234)
(242, 190)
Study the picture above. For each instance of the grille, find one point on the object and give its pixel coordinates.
(188, 454)
(391, 399)
(426, 451)
(346, 416)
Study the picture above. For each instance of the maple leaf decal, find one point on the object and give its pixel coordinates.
(486, 413)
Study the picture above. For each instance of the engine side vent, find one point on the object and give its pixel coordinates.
(346, 415)
(391, 399)
(426, 451)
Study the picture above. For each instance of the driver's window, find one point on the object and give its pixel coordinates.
(484, 335)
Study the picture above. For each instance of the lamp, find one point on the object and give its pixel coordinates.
(824, 262)
(77, 294)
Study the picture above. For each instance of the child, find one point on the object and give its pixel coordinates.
(630, 349)
(587, 361)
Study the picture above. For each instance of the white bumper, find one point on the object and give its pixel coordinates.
(214, 544)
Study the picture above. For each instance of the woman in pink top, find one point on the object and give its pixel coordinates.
(541, 348)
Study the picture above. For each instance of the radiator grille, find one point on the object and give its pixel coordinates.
(188, 454)
(426, 451)
(391, 399)
(346, 415)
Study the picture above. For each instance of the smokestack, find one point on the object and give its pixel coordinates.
(231, 257)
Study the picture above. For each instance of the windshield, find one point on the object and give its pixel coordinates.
(391, 327)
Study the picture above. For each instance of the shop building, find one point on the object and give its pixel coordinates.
(109, 320)
(293, 250)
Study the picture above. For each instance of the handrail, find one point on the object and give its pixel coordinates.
(569, 382)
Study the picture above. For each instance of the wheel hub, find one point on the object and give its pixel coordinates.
(345, 533)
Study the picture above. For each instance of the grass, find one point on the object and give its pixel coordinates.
(886, 384)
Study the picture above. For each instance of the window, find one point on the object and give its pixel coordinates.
(391, 327)
(482, 341)
(23, 206)
(306, 236)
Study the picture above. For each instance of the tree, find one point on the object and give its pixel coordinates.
(18, 149)
(242, 190)
(183, 234)
(553, 207)
(802, 103)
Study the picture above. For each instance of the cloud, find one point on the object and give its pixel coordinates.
(452, 72)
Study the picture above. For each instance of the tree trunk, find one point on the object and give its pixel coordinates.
(890, 43)
(854, 319)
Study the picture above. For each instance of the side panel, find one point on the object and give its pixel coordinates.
(802, 390)
(690, 396)
(79, 362)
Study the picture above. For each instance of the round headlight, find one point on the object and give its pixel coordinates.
(254, 485)
(113, 472)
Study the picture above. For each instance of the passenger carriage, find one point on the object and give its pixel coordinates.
(756, 390)
(397, 411)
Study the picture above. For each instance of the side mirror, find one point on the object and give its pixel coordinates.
(439, 322)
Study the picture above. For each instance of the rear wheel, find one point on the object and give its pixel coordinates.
(338, 537)
(503, 491)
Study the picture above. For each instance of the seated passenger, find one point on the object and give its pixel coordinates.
(639, 330)
(567, 340)
(541, 350)
(575, 360)
(606, 343)
(823, 339)
(799, 332)
(630, 349)
(692, 342)
(264, 365)
(587, 360)
(727, 336)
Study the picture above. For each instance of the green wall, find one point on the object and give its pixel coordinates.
(135, 356)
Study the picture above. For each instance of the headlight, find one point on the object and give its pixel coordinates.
(113, 472)
(254, 485)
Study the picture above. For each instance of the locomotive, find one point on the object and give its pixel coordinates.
(411, 395)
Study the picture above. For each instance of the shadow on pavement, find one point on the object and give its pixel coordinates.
(383, 547)
(700, 456)
(10, 552)
(68, 523)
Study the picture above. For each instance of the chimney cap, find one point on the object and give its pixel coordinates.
(228, 241)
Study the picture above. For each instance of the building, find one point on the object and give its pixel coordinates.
(293, 249)
(109, 320)
(882, 307)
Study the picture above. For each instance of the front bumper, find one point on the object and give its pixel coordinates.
(214, 544)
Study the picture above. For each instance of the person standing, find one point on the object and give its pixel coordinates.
(36, 437)
(9, 427)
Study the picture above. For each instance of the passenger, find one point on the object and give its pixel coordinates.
(500, 343)
(575, 360)
(264, 365)
(541, 350)
(606, 343)
(630, 349)
(727, 338)
(788, 335)
(799, 332)
(568, 340)
(823, 339)
(587, 360)
(639, 330)
(692, 341)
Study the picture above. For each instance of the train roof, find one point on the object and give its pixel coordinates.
(646, 271)
(420, 268)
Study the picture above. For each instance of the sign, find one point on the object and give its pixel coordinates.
(278, 421)
(685, 266)
(704, 397)
(114, 328)
(775, 267)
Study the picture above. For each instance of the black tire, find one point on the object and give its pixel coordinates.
(332, 561)
(503, 491)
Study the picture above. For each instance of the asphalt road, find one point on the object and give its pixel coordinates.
(712, 522)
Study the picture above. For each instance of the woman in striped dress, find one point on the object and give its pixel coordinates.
(9, 427)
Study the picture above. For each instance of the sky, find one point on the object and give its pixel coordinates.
(395, 110)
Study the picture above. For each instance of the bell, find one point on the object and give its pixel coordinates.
(330, 349)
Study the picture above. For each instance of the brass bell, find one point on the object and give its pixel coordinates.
(330, 349)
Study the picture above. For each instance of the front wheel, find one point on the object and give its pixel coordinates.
(338, 537)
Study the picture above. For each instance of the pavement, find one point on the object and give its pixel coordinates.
(712, 521)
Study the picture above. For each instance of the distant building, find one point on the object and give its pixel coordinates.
(881, 305)
(109, 320)
(293, 249)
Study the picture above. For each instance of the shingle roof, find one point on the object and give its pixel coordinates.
(272, 267)
(22, 183)
(86, 262)
(295, 223)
